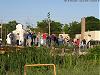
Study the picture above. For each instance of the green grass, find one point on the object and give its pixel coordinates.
(13, 61)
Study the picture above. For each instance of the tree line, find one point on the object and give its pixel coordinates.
(92, 23)
(72, 28)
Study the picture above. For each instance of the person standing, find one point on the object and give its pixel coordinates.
(39, 39)
(52, 40)
(61, 40)
(77, 45)
(29, 39)
(25, 39)
(17, 39)
(11, 36)
(34, 38)
(83, 42)
(48, 41)
(44, 39)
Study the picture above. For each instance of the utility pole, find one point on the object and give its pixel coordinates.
(49, 21)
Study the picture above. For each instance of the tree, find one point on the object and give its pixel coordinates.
(7, 28)
(75, 28)
(11, 26)
(92, 23)
(55, 27)
(42, 26)
(66, 28)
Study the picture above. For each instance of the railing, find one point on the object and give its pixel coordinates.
(54, 67)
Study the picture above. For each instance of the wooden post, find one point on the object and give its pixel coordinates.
(25, 70)
(54, 70)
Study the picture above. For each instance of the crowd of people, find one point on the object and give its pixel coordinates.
(43, 39)
(33, 39)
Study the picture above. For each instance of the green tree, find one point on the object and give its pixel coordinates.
(75, 28)
(55, 27)
(42, 26)
(66, 28)
(7, 28)
(10, 26)
(92, 23)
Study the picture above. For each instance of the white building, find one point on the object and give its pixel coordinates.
(19, 30)
(90, 35)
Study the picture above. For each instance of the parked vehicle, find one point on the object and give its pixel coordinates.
(93, 43)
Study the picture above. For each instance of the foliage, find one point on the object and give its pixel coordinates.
(92, 23)
(55, 27)
(16, 59)
(75, 28)
(11, 26)
(7, 28)
(13, 61)
(42, 26)
(66, 28)
(95, 53)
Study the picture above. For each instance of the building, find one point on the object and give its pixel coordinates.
(90, 35)
(19, 30)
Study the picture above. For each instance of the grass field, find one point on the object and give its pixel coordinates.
(13, 61)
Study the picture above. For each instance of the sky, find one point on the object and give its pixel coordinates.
(31, 11)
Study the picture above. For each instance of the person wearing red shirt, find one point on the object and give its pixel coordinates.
(77, 42)
(44, 38)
